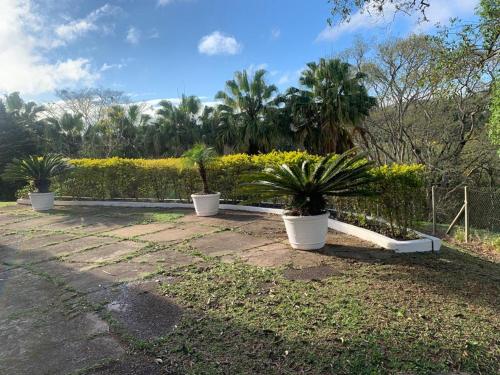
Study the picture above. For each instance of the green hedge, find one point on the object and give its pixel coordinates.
(401, 186)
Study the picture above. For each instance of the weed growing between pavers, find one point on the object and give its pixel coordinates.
(245, 319)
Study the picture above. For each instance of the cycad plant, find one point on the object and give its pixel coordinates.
(200, 156)
(308, 185)
(37, 170)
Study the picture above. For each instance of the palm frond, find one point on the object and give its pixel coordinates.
(307, 185)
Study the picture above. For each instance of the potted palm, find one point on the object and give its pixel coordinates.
(206, 202)
(307, 187)
(38, 171)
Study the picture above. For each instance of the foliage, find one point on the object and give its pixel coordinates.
(401, 187)
(310, 183)
(200, 156)
(246, 104)
(36, 170)
(400, 202)
(494, 122)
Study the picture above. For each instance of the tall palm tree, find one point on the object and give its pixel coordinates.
(246, 102)
(335, 93)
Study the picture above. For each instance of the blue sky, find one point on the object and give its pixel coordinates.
(153, 49)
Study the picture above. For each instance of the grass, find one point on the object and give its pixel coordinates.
(161, 217)
(418, 315)
(7, 204)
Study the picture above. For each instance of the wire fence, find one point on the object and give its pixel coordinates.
(468, 212)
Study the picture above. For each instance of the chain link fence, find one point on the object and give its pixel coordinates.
(464, 212)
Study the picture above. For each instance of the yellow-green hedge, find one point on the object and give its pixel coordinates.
(161, 179)
(401, 186)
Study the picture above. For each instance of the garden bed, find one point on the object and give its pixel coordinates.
(425, 243)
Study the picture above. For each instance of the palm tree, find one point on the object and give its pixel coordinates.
(308, 185)
(65, 133)
(339, 101)
(179, 125)
(245, 105)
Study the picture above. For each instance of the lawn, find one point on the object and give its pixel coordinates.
(415, 314)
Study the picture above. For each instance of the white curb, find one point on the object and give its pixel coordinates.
(425, 244)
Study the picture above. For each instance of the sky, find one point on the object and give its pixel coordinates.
(162, 49)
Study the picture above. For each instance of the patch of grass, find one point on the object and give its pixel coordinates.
(416, 315)
(7, 204)
(161, 217)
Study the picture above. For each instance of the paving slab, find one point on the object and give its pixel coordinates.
(36, 222)
(225, 218)
(280, 254)
(31, 248)
(35, 327)
(106, 253)
(86, 280)
(227, 242)
(79, 244)
(139, 230)
(273, 229)
(125, 271)
(167, 258)
(178, 233)
(40, 240)
(9, 219)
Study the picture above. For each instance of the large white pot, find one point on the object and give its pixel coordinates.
(42, 201)
(206, 204)
(306, 232)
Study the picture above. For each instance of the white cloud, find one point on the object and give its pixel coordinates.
(79, 27)
(219, 44)
(23, 65)
(361, 20)
(107, 66)
(275, 33)
(133, 35)
(440, 12)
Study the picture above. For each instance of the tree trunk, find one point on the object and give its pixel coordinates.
(203, 175)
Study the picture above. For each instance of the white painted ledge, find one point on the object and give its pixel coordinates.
(425, 244)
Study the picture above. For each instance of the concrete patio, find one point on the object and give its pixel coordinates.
(74, 282)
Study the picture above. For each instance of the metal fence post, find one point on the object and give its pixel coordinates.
(433, 197)
(466, 214)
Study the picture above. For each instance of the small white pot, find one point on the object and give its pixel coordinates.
(206, 204)
(42, 201)
(306, 232)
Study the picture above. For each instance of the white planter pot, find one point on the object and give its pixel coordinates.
(306, 232)
(42, 201)
(206, 204)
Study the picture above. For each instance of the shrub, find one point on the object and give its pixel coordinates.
(400, 202)
(308, 184)
(37, 170)
(401, 186)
